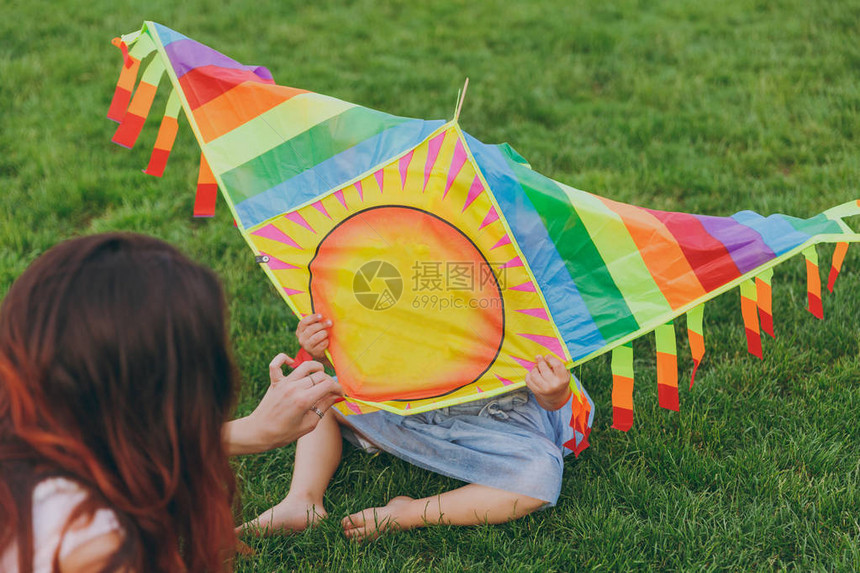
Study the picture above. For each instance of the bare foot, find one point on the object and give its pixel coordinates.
(292, 515)
(368, 524)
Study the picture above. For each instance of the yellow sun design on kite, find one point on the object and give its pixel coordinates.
(431, 300)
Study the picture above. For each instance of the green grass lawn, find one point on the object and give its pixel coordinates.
(706, 107)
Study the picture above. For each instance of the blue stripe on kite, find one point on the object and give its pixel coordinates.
(778, 233)
(568, 310)
(166, 35)
(335, 172)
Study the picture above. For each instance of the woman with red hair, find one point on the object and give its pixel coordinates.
(116, 383)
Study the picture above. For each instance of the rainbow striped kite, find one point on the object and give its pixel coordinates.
(447, 264)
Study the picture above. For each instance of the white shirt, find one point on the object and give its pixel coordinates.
(54, 500)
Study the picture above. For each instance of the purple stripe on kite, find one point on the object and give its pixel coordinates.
(433, 147)
(274, 234)
(528, 286)
(527, 364)
(563, 299)
(457, 162)
(185, 55)
(777, 233)
(476, 189)
(360, 191)
(514, 262)
(746, 247)
(292, 291)
(297, 218)
(506, 240)
(491, 217)
(504, 381)
(277, 264)
(404, 167)
(551, 343)
(380, 179)
(341, 198)
(321, 208)
(536, 312)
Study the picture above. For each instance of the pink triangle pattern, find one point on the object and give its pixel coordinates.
(277, 264)
(380, 178)
(292, 291)
(476, 189)
(404, 167)
(341, 198)
(274, 234)
(506, 240)
(354, 407)
(297, 218)
(432, 154)
(514, 262)
(551, 343)
(527, 364)
(504, 381)
(478, 388)
(321, 208)
(360, 191)
(408, 406)
(457, 162)
(527, 286)
(491, 217)
(536, 312)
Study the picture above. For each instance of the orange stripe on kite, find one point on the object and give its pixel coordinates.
(667, 381)
(663, 257)
(238, 106)
(836, 265)
(207, 191)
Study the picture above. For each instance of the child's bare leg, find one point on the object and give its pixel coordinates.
(317, 457)
(469, 505)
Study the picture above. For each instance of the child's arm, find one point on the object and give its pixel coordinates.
(312, 333)
(549, 380)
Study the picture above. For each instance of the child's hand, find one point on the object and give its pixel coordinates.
(312, 333)
(549, 380)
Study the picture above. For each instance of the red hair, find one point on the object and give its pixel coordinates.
(115, 371)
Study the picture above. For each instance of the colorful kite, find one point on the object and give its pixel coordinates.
(448, 264)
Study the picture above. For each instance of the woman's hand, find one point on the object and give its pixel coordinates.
(292, 406)
(549, 380)
(312, 333)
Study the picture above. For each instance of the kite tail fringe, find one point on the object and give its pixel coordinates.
(580, 413)
(207, 190)
(166, 136)
(124, 85)
(696, 336)
(667, 367)
(764, 301)
(622, 387)
(836, 265)
(132, 119)
(749, 311)
(813, 282)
